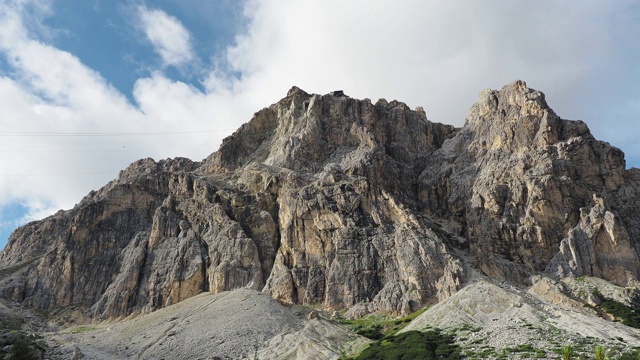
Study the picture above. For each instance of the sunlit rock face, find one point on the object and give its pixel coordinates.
(514, 179)
(344, 204)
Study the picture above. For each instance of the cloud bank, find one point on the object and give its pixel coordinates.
(169, 37)
(433, 54)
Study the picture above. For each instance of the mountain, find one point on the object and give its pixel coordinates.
(344, 205)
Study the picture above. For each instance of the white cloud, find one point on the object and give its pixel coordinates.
(437, 54)
(441, 54)
(169, 37)
(51, 91)
(433, 54)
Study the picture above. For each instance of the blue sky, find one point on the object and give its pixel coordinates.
(89, 86)
(105, 37)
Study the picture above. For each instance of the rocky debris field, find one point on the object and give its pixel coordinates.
(491, 320)
(240, 324)
(486, 320)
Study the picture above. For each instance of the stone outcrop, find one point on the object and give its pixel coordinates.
(598, 246)
(344, 204)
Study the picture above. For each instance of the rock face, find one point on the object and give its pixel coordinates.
(344, 204)
(598, 246)
(515, 180)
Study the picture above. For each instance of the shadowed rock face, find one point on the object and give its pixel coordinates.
(338, 202)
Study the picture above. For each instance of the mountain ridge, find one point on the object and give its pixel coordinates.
(344, 204)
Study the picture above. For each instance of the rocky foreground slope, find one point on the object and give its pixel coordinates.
(240, 324)
(346, 205)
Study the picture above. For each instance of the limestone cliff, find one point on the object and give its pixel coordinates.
(516, 179)
(344, 204)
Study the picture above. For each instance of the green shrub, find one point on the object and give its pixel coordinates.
(22, 350)
(373, 332)
(600, 353)
(567, 352)
(82, 329)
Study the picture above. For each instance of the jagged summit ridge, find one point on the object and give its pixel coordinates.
(345, 204)
(304, 132)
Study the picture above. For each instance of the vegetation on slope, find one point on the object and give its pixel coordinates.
(375, 326)
(15, 343)
(627, 315)
(459, 343)
(431, 344)
(23, 350)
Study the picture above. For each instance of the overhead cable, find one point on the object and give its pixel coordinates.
(52, 133)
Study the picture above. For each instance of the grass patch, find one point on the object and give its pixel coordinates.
(539, 354)
(521, 348)
(370, 326)
(431, 344)
(82, 329)
(376, 327)
(486, 352)
(469, 328)
(411, 316)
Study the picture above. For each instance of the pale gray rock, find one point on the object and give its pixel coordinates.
(506, 317)
(239, 324)
(598, 246)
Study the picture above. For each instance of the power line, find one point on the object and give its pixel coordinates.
(61, 174)
(51, 133)
(114, 150)
(69, 151)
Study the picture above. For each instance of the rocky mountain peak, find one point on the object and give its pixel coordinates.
(305, 132)
(514, 119)
(294, 90)
(515, 163)
(344, 204)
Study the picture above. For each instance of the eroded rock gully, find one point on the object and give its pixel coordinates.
(344, 204)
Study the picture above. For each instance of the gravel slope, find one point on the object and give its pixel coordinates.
(229, 325)
(501, 316)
